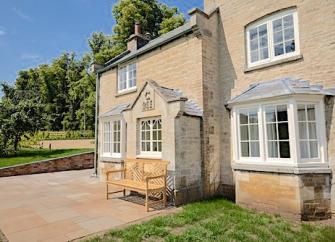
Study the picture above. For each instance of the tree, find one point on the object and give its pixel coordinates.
(21, 113)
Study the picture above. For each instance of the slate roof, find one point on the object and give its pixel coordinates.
(117, 110)
(193, 109)
(280, 87)
(125, 56)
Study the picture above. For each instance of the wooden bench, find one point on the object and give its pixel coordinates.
(140, 175)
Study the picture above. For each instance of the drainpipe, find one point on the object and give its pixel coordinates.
(97, 98)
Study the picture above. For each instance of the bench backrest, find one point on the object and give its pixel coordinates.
(139, 169)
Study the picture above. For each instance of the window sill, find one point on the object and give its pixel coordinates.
(274, 63)
(126, 92)
(321, 168)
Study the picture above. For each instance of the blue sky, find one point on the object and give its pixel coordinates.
(36, 31)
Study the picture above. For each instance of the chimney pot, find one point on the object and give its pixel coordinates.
(137, 28)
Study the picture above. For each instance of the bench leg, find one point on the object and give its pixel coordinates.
(146, 201)
(164, 197)
(124, 192)
(107, 191)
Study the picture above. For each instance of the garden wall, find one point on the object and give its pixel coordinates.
(75, 162)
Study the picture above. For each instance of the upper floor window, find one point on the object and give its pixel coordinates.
(273, 38)
(127, 77)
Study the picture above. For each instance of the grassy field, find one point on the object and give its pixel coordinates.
(30, 155)
(219, 220)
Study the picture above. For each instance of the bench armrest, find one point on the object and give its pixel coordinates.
(114, 171)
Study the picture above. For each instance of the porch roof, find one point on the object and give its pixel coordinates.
(280, 87)
(116, 110)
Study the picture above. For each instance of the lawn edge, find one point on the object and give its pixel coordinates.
(170, 211)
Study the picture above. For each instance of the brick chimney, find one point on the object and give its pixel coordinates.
(137, 40)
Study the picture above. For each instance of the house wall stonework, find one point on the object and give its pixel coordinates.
(175, 65)
(316, 63)
(188, 166)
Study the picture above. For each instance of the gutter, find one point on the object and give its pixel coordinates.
(97, 99)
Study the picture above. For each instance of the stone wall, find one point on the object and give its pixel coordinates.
(305, 196)
(75, 162)
(188, 166)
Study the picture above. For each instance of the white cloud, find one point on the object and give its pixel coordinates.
(30, 57)
(21, 14)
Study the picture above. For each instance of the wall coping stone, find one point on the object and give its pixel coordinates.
(282, 169)
(41, 161)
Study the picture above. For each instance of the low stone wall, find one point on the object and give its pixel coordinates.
(75, 162)
(303, 196)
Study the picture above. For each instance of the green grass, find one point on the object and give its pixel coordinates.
(219, 220)
(31, 155)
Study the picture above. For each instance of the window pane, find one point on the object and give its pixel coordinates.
(271, 131)
(289, 46)
(263, 42)
(314, 149)
(254, 132)
(254, 44)
(277, 25)
(288, 21)
(253, 34)
(278, 37)
(312, 130)
(253, 118)
(289, 34)
(301, 113)
(304, 149)
(273, 149)
(284, 149)
(243, 117)
(244, 132)
(159, 135)
(254, 56)
(302, 130)
(283, 131)
(159, 146)
(262, 30)
(311, 112)
(279, 49)
(254, 149)
(270, 114)
(245, 149)
(154, 146)
(264, 53)
(282, 113)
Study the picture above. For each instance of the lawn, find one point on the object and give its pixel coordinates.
(219, 220)
(30, 155)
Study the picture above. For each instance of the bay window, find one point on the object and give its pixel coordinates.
(151, 136)
(287, 132)
(273, 38)
(127, 77)
(111, 138)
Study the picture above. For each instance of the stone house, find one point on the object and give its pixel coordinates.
(240, 100)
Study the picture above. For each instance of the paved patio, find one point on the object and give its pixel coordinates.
(61, 207)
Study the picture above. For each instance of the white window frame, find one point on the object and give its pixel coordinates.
(111, 153)
(151, 153)
(292, 112)
(127, 67)
(271, 51)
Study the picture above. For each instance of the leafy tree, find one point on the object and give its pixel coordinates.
(21, 113)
